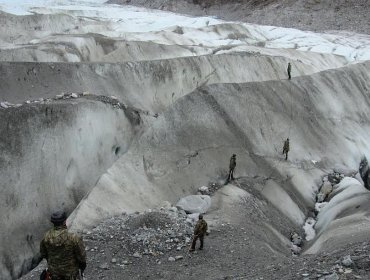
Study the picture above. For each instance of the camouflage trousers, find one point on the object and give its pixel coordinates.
(195, 238)
(230, 177)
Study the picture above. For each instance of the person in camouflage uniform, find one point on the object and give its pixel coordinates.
(199, 231)
(289, 69)
(286, 148)
(64, 251)
(232, 167)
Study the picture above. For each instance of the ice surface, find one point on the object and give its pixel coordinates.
(344, 195)
(205, 31)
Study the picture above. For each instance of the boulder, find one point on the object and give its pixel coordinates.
(332, 276)
(296, 249)
(326, 188)
(347, 261)
(320, 197)
(296, 239)
(194, 203)
(194, 217)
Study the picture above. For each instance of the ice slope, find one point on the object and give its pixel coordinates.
(191, 142)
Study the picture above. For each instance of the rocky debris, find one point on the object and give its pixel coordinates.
(296, 250)
(364, 172)
(335, 178)
(297, 242)
(210, 189)
(6, 105)
(332, 276)
(194, 203)
(204, 190)
(111, 240)
(126, 239)
(329, 182)
(178, 30)
(296, 239)
(113, 101)
(347, 261)
(325, 190)
(104, 266)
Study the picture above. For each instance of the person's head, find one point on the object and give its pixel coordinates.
(234, 155)
(287, 139)
(58, 218)
(200, 216)
(289, 63)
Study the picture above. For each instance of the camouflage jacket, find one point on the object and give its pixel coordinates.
(289, 69)
(232, 163)
(201, 228)
(64, 252)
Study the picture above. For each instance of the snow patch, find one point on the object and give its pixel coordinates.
(309, 228)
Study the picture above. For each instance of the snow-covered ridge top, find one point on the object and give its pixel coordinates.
(133, 23)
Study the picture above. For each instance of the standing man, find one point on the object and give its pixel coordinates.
(286, 148)
(231, 168)
(64, 251)
(289, 70)
(199, 231)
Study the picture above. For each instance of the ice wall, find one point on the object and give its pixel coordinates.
(50, 156)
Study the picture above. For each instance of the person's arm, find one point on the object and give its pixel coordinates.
(43, 251)
(196, 229)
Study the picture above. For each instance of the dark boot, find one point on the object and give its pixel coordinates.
(192, 248)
